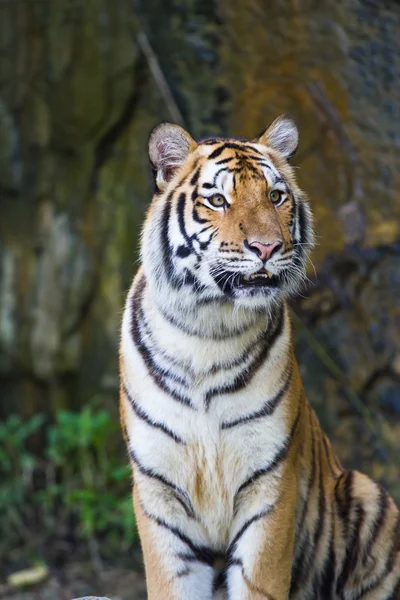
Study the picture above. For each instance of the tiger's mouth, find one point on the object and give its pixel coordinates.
(228, 282)
(261, 278)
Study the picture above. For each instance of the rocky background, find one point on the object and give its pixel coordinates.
(82, 82)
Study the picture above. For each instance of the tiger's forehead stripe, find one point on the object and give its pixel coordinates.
(222, 178)
(242, 158)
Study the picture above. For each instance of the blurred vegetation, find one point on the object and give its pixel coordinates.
(76, 479)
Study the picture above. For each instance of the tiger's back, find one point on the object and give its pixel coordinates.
(238, 493)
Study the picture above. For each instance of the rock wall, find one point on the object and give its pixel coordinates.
(75, 110)
(79, 94)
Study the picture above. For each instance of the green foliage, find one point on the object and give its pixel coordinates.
(17, 466)
(79, 473)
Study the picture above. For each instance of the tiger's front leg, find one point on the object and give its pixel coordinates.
(261, 553)
(176, 567)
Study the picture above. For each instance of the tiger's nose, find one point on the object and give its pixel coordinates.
(263, 251)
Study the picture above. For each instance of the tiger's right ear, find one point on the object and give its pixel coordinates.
(169, 146)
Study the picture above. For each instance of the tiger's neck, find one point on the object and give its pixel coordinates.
(204, 336)
(209, 318)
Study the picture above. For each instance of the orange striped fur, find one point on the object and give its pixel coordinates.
(238, 493)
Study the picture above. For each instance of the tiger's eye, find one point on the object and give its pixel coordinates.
(217, 200)
(275, 196)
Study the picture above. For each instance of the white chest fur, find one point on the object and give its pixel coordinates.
(188, 397)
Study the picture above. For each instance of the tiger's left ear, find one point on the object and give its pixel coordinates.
(282, 136)
(169, 146)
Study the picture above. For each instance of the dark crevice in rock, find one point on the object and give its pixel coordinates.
(109, 139)
(188, 50)
(85, 308)
(8, 191)
(385, 371)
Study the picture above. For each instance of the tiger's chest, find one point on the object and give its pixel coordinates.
(210, 466)
(195, 419)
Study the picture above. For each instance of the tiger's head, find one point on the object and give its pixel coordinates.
(228, 220)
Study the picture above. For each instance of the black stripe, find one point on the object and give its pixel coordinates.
(216, 368)
(233, 545)
(303, 558)
(237, 562)
(259, 174)
(223, 161)
(234, 146)
(311, 478)
(195, 216)
(220, 580)
(383, 505)
(299, 566)
(144, 351)
(187, 557)
(227, 145)
(328, 455)
(237, 362)
(204, 245)
(343, 496)
(321, 505)
(353, 541)
(141, 414)
(239, 169)
(167, 250)
(223, 335)
(221, 170)
(183, 573)
(319, 523)
(190, 279)
(162, 371)
(178, 492)
(275, 462)
(160, 352)
(327, 579)
(301, 214)
(266, 411)
(267, 166)
(243, 379)
(215, 153)
(244, 155)
(195, 177)
(183, 251)
(203, 230)
(180, 209)
(393, 553)
(191, 558)
(211, 141)
(294, 222)
(344, 502)
(203, 554)
(260, 159)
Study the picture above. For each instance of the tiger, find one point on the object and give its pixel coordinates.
(237, 491)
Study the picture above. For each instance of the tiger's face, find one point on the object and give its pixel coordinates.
(228, 220)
